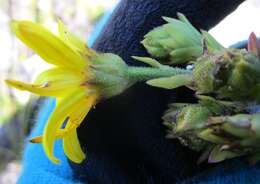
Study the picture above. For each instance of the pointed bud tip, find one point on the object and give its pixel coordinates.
(135, 57)
(252, 35)
(251, 40)
(151, 82)
(182, 17)
(167, 19)
(179, 14)
(253, 44)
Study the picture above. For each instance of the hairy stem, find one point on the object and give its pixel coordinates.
(147, 73)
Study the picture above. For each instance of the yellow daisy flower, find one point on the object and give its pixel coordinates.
(79, 79)
(67, 82)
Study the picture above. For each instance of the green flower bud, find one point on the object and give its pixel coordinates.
(211, 128)
(187, 121)
(178, 41)
(110, 73)
(232, 73)
(241, 132)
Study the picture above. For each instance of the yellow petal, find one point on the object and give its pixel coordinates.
(72, 147)
(60, 113)
(59, 135)
(73, 41)
(53, 82)
(60, 74)
(44, 89)
(71, 143)
(61, 80)
(69, 38)
(50, 47)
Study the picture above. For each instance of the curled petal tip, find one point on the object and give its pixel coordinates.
(36, 140)
(55, 161)
(12, 83)
(51, 157)
(23, 86)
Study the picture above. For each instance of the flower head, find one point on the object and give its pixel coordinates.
(178, 41)
(80, 77)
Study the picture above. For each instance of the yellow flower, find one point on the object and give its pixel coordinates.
(67, 81)
(79, 79)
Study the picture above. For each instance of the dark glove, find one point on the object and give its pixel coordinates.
(124, 136)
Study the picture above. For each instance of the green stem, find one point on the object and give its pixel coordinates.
(147, 73)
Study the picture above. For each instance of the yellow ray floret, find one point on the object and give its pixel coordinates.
(79, 79)
(51, 48)
(67, 81)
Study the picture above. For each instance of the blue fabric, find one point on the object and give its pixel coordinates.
(36, 167)
(229, 172)
(98, 28)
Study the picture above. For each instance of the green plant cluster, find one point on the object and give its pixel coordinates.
(225, 121)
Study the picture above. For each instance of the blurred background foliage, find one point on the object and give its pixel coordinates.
(18, 109)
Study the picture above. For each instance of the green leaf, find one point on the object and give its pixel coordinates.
(169, 19)
(208, 135)
(184, 19)
(211, 41)
(149, 61)
(171, 82)
(218, 155)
